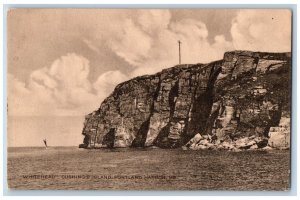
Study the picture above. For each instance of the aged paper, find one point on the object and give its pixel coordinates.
(145, 99)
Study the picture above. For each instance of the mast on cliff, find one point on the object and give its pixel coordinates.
(179, 42)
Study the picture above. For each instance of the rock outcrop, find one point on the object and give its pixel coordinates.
(247, 94)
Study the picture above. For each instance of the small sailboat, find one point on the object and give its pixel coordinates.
(45, 142)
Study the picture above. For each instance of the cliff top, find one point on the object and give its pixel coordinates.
(262, 55)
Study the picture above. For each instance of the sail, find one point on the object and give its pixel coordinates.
(45, 142)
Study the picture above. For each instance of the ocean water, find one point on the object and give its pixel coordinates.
(64, 168)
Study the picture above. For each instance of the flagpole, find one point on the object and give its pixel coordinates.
(179, 42)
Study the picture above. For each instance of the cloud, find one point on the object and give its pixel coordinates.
(131, 43)
(91, 46)
(24, 101)
(262, 30)
(159, 20)
(61, 89)
(108, 80)
(148, 40)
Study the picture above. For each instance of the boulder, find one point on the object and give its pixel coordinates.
(267, 148)
(220, 146)
(204, 142)
(196, 139)
(262, 142)
(205, 137)
(236, 150)
(212, 147)
(242, 142)
(254, 147)
(279, 139)
(227, 145)
(285, 122)
(251, 143)
(251, 137)
(279, 136)
(184, 148)
(202, 146)
(199, 147)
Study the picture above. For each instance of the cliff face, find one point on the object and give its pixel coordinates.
(245, 94)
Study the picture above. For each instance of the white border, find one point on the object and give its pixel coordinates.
(48, 2)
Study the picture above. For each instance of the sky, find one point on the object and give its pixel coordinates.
(62, 63)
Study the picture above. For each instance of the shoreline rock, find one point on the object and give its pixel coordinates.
(246, 143)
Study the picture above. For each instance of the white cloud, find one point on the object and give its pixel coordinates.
(148, 39)
(25, 101)
(159, 19)
(61, 89)
(130, 42)
(65, 81)
(190, 28)
(92, 46)
(42, 76)
(107, 81)
(262, 30)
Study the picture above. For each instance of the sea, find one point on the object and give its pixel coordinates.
(71, 168)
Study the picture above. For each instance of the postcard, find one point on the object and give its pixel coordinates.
(149, 99)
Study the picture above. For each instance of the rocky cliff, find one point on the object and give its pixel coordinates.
(244, 95)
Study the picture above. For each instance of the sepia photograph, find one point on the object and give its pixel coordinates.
(149, 99)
